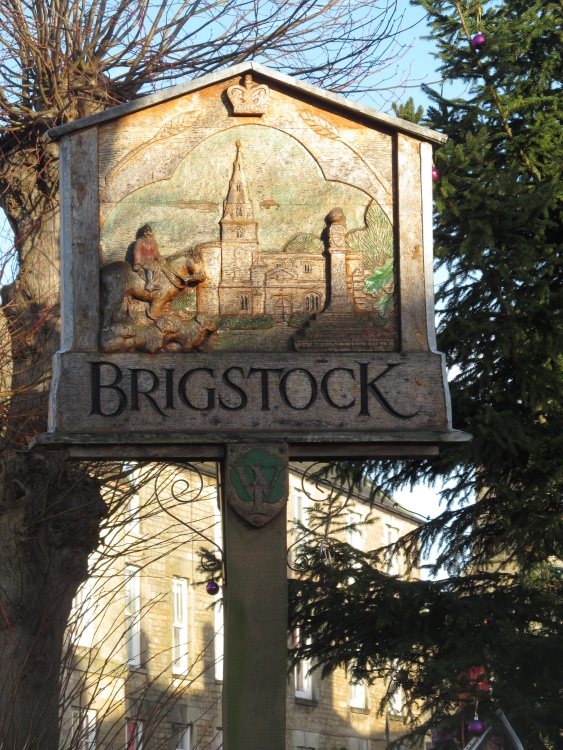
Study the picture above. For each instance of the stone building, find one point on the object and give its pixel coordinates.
(143, 662)
(244, 279)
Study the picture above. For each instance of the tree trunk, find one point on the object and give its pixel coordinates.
(49, 509)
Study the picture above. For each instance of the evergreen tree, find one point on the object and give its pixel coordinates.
(407, 111)
(499, 235)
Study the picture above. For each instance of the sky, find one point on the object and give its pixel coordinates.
(415, 66)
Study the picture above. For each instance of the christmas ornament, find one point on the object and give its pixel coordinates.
(478, 41)
(424, 610)
(212, 588)
(327, 581)
(476, 727)
(435, 174)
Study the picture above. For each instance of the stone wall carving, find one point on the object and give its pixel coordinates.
(250, 98)
(329, 289)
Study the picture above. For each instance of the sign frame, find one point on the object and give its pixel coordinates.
(377, 376)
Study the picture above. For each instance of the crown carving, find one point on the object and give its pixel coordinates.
(250, 98)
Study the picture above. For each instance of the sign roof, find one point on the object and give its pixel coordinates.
(396, 123)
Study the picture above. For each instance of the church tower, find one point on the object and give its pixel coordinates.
(239, 242)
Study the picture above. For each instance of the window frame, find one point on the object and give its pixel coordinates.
(133, 616)
(392, 534)
(361, 702)
(302, 674)
(180, 625)
(86, 739)
(135, 741)
(184, 739)
(82, 630)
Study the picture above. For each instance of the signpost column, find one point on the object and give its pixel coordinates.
(254, 498)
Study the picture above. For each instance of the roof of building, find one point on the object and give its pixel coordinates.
(371, 495)
(327, 97)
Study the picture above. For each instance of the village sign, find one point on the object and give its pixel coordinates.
(247, 257)
(246, 275)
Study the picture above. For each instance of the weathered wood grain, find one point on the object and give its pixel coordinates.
(233, 393)
(80, 241)
(427, 240)
(255, 662)
(295, 85)
(158, 451)
(412, 302)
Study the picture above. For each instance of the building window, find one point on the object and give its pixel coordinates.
(183, 738)
(84, 728)
(302, 672)
(353, 531)
(217, 741)
(300, 509)
(219, 640)
(391, 557)
(300, 520)
(133, 525)
(133, 735)
(397, 702)
(358, 694)
(132, 512)
(82, 615)
(307, 267)
(312, 302)
(354, 535)
(238, 211)
(239, 232)
(357, 743)
(133, 615)
(180, 626)
(244, 302)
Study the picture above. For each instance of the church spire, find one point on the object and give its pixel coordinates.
(238, 205)
(238, 214)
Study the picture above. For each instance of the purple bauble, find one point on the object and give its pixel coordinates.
(212, 588)
(435, 174)
(478, 41)
(476, 727)
(327, 581)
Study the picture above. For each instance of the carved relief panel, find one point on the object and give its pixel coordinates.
(243, 219)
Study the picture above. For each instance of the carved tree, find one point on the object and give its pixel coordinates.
(61, 60)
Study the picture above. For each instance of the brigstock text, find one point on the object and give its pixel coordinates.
(115, 389)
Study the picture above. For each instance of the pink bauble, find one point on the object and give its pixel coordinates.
(435, 174)
(478, 41)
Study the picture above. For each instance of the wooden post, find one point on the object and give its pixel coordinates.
(255, 485)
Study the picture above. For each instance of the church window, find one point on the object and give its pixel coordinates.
(238, 210)
(312, 302)
(239, 232)
(237, 187)
(244, 302)
(307, 268)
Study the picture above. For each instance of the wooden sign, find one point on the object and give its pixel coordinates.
(247, 256)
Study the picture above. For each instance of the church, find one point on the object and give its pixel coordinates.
(243, 280)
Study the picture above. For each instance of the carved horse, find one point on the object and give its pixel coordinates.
(122, 286)
(136, 305)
